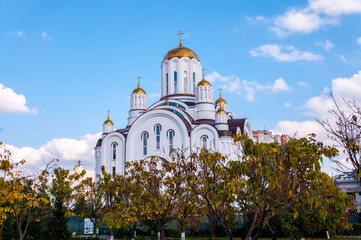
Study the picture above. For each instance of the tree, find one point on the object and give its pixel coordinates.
(187, 202)
(208, 176)
(23, 197)
(61, 191)
(285, 181)
(160, 191)
(90, 202)
(345, 129)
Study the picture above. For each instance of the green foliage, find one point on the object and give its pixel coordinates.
(61, 190)
(286, 181)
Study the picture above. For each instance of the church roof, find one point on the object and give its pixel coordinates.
(233, 124)
(223, 133)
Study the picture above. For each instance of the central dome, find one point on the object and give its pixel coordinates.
(180, 52)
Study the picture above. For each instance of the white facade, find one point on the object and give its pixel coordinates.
(184, 118)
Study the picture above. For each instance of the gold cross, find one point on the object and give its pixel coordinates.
(108, 113)
(203, 70)
(180, 37)
(138, 80)
(220, 92)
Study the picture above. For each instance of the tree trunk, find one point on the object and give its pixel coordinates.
(1, 231)
(162, 233)
(212, 228)
(133, 230)
(111, 234)
(183, 231)
(253, 225)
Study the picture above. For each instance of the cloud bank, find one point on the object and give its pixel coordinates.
(12, 102)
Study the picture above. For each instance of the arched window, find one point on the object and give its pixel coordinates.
(185, 79)
(114, 171)
(194, 83)
(170, 139)
(204, 140)
(114, 148)
(157, 136)
(166, 75)
(175, 82)
(145, 142)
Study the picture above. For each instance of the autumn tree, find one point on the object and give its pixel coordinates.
(345, 129)
(187, 204)
(284, 180)
(62, 198)
(23, 197)
(207, 175)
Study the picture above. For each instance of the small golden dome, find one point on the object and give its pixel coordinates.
(221, 111)
(108, 121)
(220, 100)
(180, 52)
(203, 82)
(138, 90)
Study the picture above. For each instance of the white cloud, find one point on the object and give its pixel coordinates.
(349, 88)
(343, 58)
(67, 150)
(284, 53)
(18, 33)
(153, 95)
(45, 36)
(248, 88)
(257, 19)
(359, 40)
(335, 7)
(327, 45)
(314, 16)
(216, 76)
(280, 85)
(303, 84)
(13, 102)
(293, 21)
(287, 104)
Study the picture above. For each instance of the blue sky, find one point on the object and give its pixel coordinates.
(73, 60)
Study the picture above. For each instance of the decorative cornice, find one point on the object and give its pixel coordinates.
(178, 95)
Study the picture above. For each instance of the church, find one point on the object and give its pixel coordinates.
(184, 118)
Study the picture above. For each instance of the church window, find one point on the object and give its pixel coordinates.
(114, 147)
(204, 141)
(113, 171)
(166, 75)
(194, 83)
(185, 82)
(175, 82)
(145, 143)
(170, 138)
(157, 136)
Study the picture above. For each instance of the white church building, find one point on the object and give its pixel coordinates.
(185, 117)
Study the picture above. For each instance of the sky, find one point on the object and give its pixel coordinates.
(63, 64)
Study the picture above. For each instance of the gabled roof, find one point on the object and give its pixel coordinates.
(233, 124)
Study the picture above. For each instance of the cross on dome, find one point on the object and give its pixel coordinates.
(220, 92)
(203, 70)
(138, 81)
(180, 37)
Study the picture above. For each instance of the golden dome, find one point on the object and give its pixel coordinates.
(220, 100)
(203, 82)
(138, 90)
(108, 121)
(180, 52)
(221, 111)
